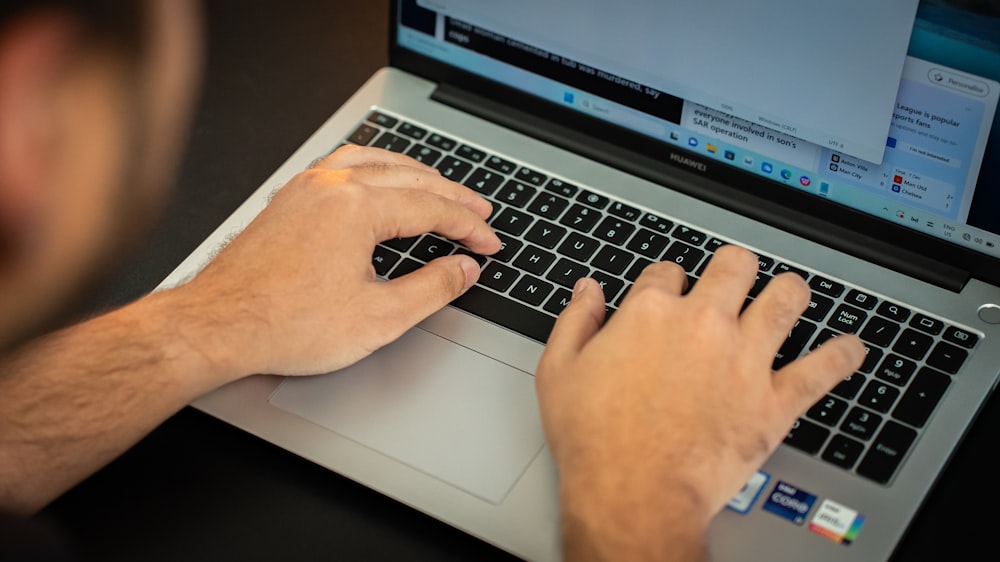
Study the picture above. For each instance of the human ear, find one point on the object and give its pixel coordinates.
(35, 50)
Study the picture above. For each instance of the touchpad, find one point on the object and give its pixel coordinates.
(441, 408)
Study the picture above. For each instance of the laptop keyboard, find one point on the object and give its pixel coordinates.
(555, 232)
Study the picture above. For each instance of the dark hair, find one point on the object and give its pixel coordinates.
(115, 24)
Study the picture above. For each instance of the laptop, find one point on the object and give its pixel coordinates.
(858, 147)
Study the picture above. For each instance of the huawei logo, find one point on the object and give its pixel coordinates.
(689, 162)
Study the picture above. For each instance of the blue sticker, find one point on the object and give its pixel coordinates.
(789, 502)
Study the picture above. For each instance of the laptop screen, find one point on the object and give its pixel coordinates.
(888, 108)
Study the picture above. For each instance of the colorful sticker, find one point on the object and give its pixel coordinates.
(744, 500)
(837, 522)
(789, 502)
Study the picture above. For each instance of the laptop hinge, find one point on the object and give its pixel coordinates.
(839, 236)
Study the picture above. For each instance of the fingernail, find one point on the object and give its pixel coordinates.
(471, 270)
(580, 286)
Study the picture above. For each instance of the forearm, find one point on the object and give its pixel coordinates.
(72, 401)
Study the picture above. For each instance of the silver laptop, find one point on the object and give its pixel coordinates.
(856, 145)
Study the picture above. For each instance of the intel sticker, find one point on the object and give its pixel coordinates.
(744, 500)
(837, 522)
(789, 502)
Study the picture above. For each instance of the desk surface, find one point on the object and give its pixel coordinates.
(198, 489)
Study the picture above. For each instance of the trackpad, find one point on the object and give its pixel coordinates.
(434, 405)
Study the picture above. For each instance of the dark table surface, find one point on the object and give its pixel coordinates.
(198, 489)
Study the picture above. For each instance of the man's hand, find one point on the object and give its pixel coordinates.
(296, 292)
(657, 420)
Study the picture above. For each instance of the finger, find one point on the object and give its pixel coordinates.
(351, 155)
(418, 294)
(728, 278)
(395, 176)
(663, 276)
(804, 381)
(402, 213)
(771, 316)
(578, 323)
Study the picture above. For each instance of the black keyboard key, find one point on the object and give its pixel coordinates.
(500, 165)
(850, 386)
(560, 187)
(472, 154)
(424, 154)
(548, 205)
(508, 313)
(759, 282)
(444, 143)
(545, 234)
(807, 436)
(610, 285)
(534, 260)
(453, 168)
(401, 244)
(480, 259)
(382, 119)
(827, 287)
(896, 370)
(927, 324)
(531, 290)
(886, 452)
(557, 303)
(383, 259)
(684, 255)
(872, 356)
(508, 247)
(690, 235)
(714, 244)
(960, 337)
(512, 221)
(847, 319)
(893, 311)
(861, 423)
(843, 451)
(880, 331)
(611, 259)
(431, 247)
(624, 211)
(529, 176)
(498, 277)
(394, 143)
(818, 307)
(823, 337)
(648, 243)
(827, 411)
(363, 135)
(782, 267)
(656, 224)
(592, 199)
(796, 341)
(484, 181)
(913, 344)
(921, 397)
(566, 272)
(878, 396)
(578, 246)
(624, 293)
(405, 266)
(516, 193)
(411, 130)
(947, 357)
(614, 230)
(861, 300)
(640, 264)
(580, 217)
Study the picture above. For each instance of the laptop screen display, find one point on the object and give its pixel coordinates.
(888, 108)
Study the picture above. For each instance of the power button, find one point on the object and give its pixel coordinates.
(990, 313)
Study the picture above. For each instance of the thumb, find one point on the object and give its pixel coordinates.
(423, 292)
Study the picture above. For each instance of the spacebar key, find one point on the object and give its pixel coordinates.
(506, 312)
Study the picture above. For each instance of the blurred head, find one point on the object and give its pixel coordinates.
(95, 97)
